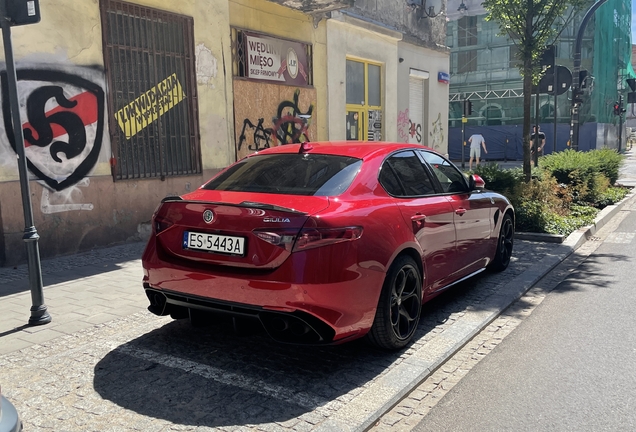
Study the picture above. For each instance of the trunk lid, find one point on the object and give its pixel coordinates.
(234, 229)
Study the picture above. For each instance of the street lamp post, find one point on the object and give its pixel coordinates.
(576, 85)
(39, 313)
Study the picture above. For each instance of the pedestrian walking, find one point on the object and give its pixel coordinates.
(476, 140)
(537, 145)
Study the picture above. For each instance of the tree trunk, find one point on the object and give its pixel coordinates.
(526, 46)
(527, 111)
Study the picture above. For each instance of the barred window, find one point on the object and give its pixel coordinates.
(153, 118)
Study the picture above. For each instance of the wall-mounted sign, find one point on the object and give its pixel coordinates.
(274, 59)
(443, 77)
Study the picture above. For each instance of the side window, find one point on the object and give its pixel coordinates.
(451, 179)
(389, 181)
(411, 174)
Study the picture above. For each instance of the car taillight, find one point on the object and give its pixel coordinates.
(316, 237)
(282, 238)
(162, 223)
(309, 238)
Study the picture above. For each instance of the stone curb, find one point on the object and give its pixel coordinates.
(366, 409)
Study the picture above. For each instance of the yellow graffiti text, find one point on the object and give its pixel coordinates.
(148, 107)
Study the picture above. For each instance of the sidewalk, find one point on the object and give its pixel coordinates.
(86, 291)
(80, 291)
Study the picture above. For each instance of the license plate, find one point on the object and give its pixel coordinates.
(214, 243)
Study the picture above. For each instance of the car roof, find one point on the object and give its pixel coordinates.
(357, 149)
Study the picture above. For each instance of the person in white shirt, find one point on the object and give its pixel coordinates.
(475, 141)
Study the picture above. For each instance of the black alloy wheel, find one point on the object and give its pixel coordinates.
(504, 244)
(399, 307)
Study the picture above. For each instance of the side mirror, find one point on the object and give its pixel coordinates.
(475, 182)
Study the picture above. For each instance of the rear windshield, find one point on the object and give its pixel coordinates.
(290, 173)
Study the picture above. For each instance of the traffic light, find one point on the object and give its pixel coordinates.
(468, 107)
(618, 107)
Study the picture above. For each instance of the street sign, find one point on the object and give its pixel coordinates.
(564, 81)
(22, 12)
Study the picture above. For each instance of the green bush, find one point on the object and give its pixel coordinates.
(532, 216)
(596, 188)
(499, 179)
(574, 167)
(607, 162)
(569, 166)
(566, 225)
(611, 196)
(565, 193)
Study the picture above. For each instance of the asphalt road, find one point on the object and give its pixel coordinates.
(570, 365)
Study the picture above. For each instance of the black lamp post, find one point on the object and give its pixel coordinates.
(39, 313)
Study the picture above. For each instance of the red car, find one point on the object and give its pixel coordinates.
(326, 242)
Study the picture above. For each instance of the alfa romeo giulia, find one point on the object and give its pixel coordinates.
(323, 243)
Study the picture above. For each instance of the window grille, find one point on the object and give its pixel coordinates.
(153, 115)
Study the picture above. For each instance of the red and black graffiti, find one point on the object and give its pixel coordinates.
(415, 130)
(70, 117)
(42, 123)
(291, 124)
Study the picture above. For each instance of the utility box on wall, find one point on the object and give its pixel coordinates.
(22, 12)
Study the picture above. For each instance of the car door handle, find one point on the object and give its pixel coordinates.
(417, 219)
(460, 211)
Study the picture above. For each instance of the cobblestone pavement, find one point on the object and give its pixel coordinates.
(109, 365)
(142, 372)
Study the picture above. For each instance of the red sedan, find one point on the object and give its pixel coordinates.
(326, 242)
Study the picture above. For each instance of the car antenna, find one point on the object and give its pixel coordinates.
(304, 147)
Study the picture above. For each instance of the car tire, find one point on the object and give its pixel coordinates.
(505, 241)
(399, 306)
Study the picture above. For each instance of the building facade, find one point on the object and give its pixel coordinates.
(124, 103)
(484, 70)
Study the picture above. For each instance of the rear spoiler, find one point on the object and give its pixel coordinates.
(250, 204)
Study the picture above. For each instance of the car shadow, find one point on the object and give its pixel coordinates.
(213, 378)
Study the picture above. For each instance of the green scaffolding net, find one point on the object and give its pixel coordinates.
(612, 60)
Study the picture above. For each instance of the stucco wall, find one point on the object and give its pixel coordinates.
(426, 31)
(268, 18)
(347, 37)
(95, 210)
(435, 131)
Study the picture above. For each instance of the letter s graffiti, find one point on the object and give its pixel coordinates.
(51, 115)
(69, 121)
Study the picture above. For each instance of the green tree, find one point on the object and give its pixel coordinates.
(532, 26)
